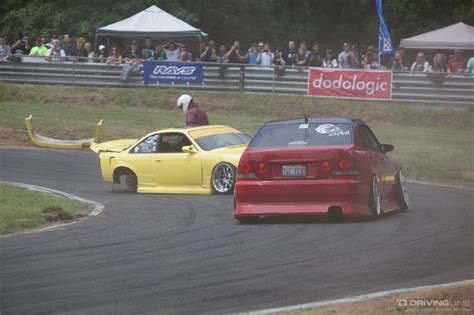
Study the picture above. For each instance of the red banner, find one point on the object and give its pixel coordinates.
(364, 84)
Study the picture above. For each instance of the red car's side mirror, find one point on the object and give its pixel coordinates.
(386, 148)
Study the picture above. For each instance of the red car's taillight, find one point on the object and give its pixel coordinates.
(244, 170)
(345, 164)
(345, 168)
(342, 167)
(326, 165)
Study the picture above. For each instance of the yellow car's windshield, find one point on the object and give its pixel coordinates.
(216, 141)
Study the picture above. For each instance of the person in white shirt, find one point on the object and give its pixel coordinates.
(55, 53)
(172, 51)
(420, 64)
(329, 61)
(266, 57)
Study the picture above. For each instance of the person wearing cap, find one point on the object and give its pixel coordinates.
(55, 53)
(40, 49)
(4, 48)
(195, 116)
(456, 63)
(101, 55)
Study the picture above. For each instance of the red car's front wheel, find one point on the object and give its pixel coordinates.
(374, 198)
(401, 192)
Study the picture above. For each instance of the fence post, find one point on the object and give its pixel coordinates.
(241, 80)
(273, 78)
(73, 71)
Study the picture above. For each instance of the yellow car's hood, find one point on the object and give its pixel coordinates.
(112, 146)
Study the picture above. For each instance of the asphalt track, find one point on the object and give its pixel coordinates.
(186, 254)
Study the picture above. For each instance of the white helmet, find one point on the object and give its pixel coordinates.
(184, 101)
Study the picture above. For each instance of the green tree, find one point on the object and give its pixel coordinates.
(276, 21)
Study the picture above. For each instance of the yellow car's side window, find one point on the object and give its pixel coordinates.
(173, 143)
(149, 145)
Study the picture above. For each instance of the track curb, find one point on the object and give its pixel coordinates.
(359, 298)
(97, 206)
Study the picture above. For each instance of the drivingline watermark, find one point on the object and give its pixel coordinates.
(434, 305)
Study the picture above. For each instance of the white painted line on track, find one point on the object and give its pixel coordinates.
(97, 206)
(359, 298)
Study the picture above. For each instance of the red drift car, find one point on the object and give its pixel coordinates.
(324, 166)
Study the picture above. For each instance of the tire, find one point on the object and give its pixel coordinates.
(374, 199)
(223, 178)
(131, 182)
(401, 192)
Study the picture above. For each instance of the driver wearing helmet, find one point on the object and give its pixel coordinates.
(194, 115)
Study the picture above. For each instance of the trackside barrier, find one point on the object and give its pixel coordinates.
(432, 88)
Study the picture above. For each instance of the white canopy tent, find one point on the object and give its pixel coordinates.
(151, 22)
(456, 36)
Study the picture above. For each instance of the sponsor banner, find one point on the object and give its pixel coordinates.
(172, 72)
(363, 84)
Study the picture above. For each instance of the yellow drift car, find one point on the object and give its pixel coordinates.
(196, 160)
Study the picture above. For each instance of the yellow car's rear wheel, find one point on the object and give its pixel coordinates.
(223, 178)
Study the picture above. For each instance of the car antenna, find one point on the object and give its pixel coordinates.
(305, 117)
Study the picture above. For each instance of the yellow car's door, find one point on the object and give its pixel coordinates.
(174, 168)
(140, 160)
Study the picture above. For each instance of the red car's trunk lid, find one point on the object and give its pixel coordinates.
(296, 163)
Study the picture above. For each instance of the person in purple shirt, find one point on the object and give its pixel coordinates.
(195, 116)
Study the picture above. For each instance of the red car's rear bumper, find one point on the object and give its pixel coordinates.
(301, 197)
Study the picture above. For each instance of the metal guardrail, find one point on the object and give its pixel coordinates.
(419, 87)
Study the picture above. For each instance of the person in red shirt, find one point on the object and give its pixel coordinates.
(456, 63)
(195, 116)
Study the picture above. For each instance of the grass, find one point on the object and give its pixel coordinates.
(431, 143)
(21, 208)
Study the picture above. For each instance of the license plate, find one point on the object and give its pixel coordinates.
(294, 170)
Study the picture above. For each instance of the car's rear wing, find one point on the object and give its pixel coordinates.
(47, 142)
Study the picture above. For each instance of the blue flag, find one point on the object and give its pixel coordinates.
(385, 42)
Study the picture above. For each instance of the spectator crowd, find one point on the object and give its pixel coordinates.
(258, 54)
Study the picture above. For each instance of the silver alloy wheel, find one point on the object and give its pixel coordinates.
(404, 188)
(376, 196)
(223, 177)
